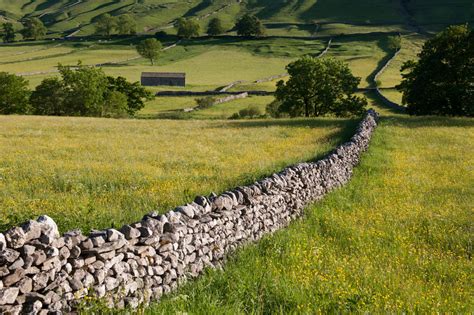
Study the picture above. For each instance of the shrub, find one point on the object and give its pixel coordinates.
(205, 102)
(250, 112)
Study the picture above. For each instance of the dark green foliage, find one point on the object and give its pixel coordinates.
(85, 90)
(187, 28)
(8, 33)
(319, 87)
(14, 94)
(48, 98)
(249, 25)
(150, 49)
(105, 25)
(205, 102)
(33, 28)
(134, 92)
(441, 82)
(126, 25)
(215, 27)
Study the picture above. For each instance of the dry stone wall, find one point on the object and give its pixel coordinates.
(42, 272)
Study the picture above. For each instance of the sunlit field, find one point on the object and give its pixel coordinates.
(397, 238)
(98, 173)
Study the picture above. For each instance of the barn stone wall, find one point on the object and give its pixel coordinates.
(42, 272)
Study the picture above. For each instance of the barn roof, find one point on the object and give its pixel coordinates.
(163, 75)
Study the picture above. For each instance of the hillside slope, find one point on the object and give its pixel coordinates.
(65, 16)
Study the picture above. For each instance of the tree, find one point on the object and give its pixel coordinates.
(249, 25)
(85, 90)
(48, 98)
(105, 24)
(126, 25)
(8, 33)
(215, 27)
(187, 28)
(394, 42)
(150, 49)
(134, 92)
(14, 94)
(319, 87)
(441, 81)
(33, 28)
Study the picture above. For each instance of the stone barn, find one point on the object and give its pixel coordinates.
(163, 78)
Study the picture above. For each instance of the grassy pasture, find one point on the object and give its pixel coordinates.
(97, 173)
(397, 238)
(172, 107)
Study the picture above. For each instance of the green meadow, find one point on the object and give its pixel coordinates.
(396, 239)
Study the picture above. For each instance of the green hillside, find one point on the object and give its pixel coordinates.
(306, 16)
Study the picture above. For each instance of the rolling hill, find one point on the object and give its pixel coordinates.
(66, 16)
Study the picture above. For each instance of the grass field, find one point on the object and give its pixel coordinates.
(98, 173)
(172, 107)
(397, 238)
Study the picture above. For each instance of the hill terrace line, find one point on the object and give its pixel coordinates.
(163, 78)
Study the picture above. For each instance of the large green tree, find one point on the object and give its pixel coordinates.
(215, 27)
(85, 90)
(33, 28)
(249, 25)
(150, 49)
(14, 94)
(126, 25)
(105, 25)
(441, 82)
(8, 33)
(318, 87)
(187, 28)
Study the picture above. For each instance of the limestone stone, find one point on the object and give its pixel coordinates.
(15, 237)
(8, 295)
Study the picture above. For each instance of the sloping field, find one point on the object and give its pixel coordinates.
(398, 238)
(98, 173)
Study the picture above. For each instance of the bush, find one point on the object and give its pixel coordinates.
(205, 102)
(250, 112)
(14, 94)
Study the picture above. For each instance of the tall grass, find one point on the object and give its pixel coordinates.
(396, 239)
(97, 173)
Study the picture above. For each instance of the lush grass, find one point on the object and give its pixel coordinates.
(98, 173)
(397, 238)
(173, 107)
(225, 110)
